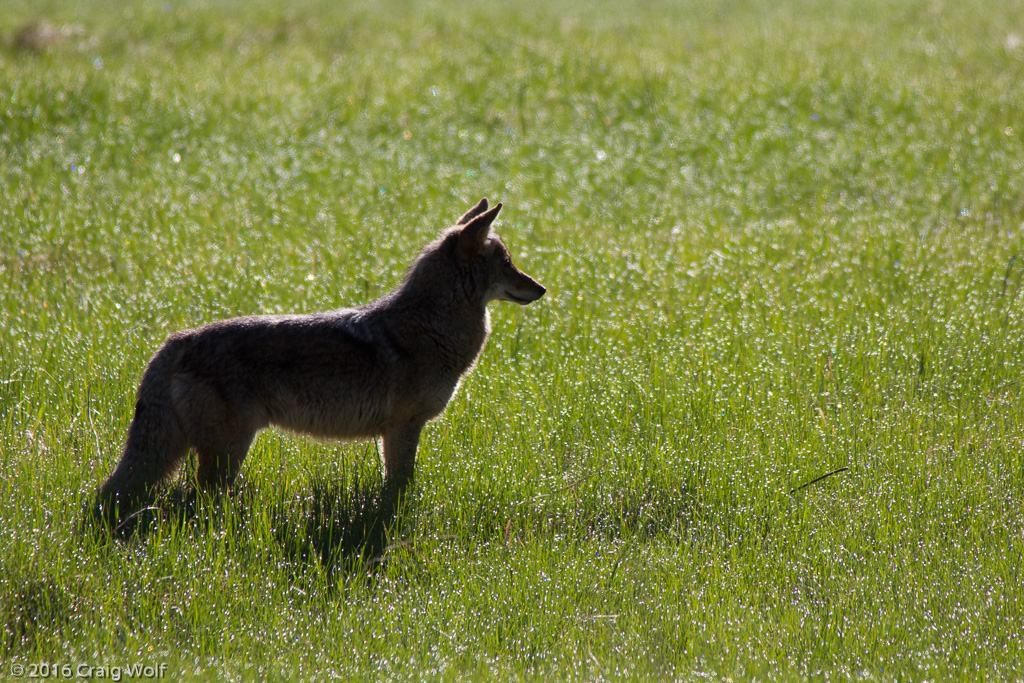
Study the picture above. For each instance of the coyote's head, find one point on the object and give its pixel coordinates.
(487, 260)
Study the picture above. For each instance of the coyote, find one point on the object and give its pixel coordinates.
(382, 369)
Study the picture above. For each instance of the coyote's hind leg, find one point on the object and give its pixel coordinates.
(219, 460)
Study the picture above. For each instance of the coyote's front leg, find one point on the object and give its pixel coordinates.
(400, 443)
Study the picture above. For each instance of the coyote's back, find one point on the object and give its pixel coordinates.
(383, 369)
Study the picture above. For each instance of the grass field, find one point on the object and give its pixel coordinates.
(779, 239)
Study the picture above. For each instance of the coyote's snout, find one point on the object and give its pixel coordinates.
(382, 369)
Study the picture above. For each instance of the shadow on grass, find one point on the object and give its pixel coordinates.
(343, 527)
(336, 526)
(612, 514)
(31, 608)
(333, 525)
(656, 510)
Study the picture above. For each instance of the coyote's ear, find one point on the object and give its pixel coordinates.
(480, 207)
(474, 233)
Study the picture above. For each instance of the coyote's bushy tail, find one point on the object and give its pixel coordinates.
(155, 445)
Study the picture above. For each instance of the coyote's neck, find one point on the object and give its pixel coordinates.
(455, 327)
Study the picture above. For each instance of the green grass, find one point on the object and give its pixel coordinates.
(779, 238)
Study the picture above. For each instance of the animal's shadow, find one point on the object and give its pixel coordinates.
(331, 524)
(337, 526)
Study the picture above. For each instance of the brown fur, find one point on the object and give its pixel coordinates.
(382, 369)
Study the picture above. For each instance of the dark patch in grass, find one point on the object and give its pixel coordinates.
(658, 510)
(29, 608)
(611, 514)
(337, 526)
(343, 525)
(40, 35)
